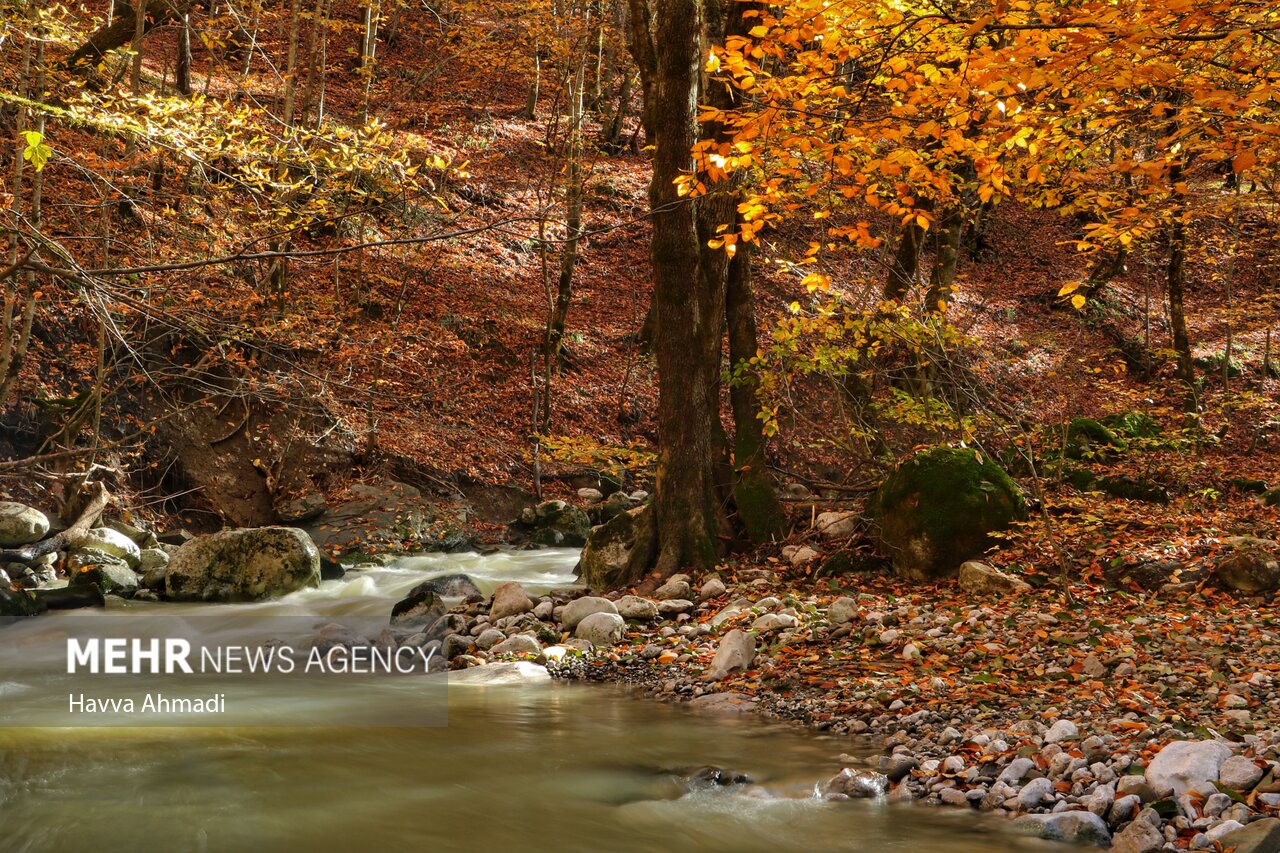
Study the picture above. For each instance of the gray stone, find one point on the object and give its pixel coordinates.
(774, 622)
(1016, 771)
(713, 588)
(836, 525)
(1261, 836)
(520, 644)
(580, 608)
(1186, 764)
(1060, 731)
(108, 541)
(419, 609)
(601, 628)
(508, 600)
(152, 559)
(674, 607)
(636, 607)
(111, 574)
(1077, 827)
(736, 652)
(591, 495)
(1137, 785)
(856, 784)
(489, 638)
(673, 589)
(21, 525)
(1138, 837)
(1239, 773)
(724, 703)
(243, 565)
(555, 523)
(842, 610)
(1034, 793)
(979, 578)
(454, 586)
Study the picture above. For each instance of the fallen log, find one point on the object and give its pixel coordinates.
(121, 30)
(98, 500)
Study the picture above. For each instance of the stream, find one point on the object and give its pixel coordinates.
(519, 767)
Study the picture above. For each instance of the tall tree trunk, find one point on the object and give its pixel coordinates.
(688, 304)
(182, 73)
(1176, 282)
(759, 509)
(573, 212)
(943, 276)
(906, 262)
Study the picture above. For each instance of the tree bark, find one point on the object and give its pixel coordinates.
(906, 262)
(688, 302)
(759, 509)
(1176, 282)
(943, 277)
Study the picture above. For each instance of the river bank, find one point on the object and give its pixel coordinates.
(1087, 721)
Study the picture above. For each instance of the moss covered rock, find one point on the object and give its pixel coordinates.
(554, 523)
(1085, 438)
(618, 552)
(1132, 424)
(939, 509)
(243, 565)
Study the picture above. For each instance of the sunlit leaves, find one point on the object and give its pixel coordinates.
(36, 152)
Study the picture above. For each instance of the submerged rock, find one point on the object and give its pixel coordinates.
(1077, 827)
(494, 674)
(856, 784)
(419, 609)
(454, 586)
(18, 604)
(243, 565)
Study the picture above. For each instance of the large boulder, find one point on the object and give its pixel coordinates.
(617, 552)
(1186, 764)
(243, 565)
(1251, 565)
(105, 540)
(21, 525)
(386, 518)
(555, 523)
(939, 508)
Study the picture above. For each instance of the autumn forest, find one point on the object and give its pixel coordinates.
(901, 375)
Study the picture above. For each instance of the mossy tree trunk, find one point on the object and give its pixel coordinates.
(759, 509)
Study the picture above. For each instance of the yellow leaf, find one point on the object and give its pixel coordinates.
(1068, 287)
(1078, 301)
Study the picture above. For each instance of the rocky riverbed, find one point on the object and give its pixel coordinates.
(1086, 720)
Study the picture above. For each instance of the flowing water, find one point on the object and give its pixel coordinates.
(519, 767)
